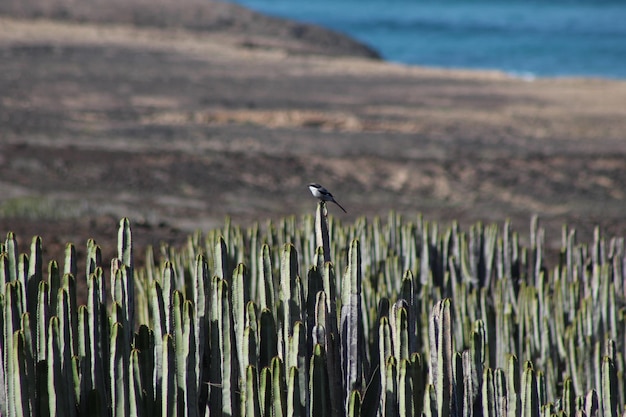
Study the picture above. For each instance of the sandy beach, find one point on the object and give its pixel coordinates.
(177, 126)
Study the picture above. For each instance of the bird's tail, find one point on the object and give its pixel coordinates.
(344, 210)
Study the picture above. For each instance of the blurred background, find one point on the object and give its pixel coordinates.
(527, 38)
(178, 114)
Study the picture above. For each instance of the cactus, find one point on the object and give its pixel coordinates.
(530, 395)
(278, 404)
(441, 356)
(389, 405)
(119, 371)
(296, 394)
(187, 335)
(290, 296)
(23, 388)
(489, 399)
(610, 395)
(322, 238)
(239, 299)
(168, 394)
(351, 323)
(319, 388)
(224, 380)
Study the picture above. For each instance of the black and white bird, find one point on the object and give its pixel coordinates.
(323, 194)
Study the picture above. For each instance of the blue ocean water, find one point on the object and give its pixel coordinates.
(521, 37)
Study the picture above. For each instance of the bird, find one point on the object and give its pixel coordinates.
(323, 194)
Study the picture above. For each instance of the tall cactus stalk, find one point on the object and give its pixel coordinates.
(441, 356)
(319, 387)
(321, 227)
(351, 323)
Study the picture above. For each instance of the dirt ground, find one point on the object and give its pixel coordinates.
(178, 128)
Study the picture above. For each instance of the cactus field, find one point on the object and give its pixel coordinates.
(397, 317)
